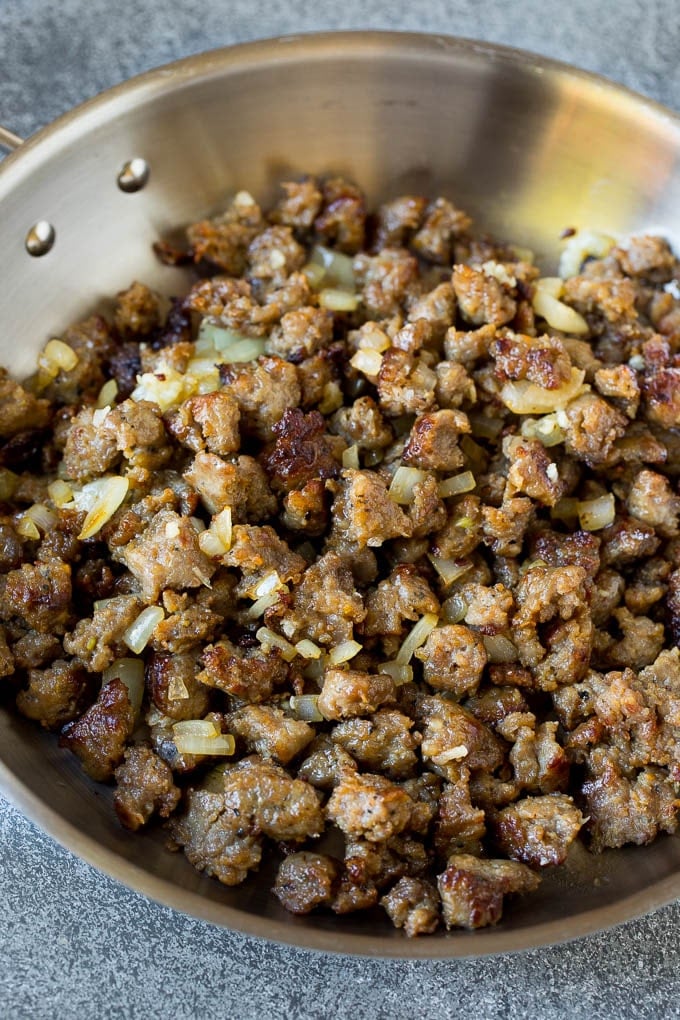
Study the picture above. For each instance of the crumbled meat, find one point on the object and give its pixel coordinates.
(144, 786)
(174, 687)
(258, 552)
(626, 809)
(55, 695)
(328, 763)
(591, 427)
(269, 733)
(648, 257)
(369, 807)
(433, 441)
(397, 221)
(263, 390)
(481, 297)
(273, 255)
(92, 343)
(437, 307)
(452, 735)
(460, 826)
(342, 220)
(532, 471)
(363, 511)
(240, 484)
(299, 206)
(209, 421)
(385, 280)
(413, 904)
(504, 527)
(306, 509)
(488, 609)
(406, 384)
(626, 540)
(620, 384)
(224, 241)
(541, 360)
(652, 500)
(384, 743)
(19, 409)
(349, 693)
(453, 385)
(301, 333)
(137, 311)
(99, 736)
(472, 890)
(453, 659)
(300, 452)
(540, 764)
(443, 224)
(306, 880)
(362, 425)
(167, 555)
(325, 605)
(40, 595)
(538, 830)
(249, 675)
(404, 595)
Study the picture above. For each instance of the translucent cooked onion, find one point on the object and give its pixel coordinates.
(552, 285)
(524, 397)
(60, 493)
(499, 648)
(449, 570)
(246, 350)
(557, 314)
(456, 753)
(454, 608)
(261, 605)
(101, 499)
(269, 639)
(107, 394)
(205, 728)
(131, 673)
(222, 745)
(337, 267)
(336, 300)
(27, 528)
(211, 334)
(368, 362)
(56, 357)
(456, 484)
(402, 487)
(165, 387)
(266, 585)
(566, 509)
(546, 429)
(177, 689)
(137, 635)
(594, 514)
(350, 457)
(41, 515)
(579, 247)
(416, 637)
(400, 672)
(343, 652)
(216, 540)
(306, 707)
(484, 427)
(373, 338)
(307, 649)
(210, 545)
(315, 274)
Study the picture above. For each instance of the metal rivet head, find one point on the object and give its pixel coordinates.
(40, 238)
(133, 175)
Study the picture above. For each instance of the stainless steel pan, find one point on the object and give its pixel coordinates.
(527, 145)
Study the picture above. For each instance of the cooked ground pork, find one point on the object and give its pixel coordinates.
(413, 548)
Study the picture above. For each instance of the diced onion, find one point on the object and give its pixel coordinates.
(454, 608)
(484, 427)
(594, 514)
(216, 540)
(499, 648)
(338, 300)
(400, 672)
(416, 637)
(261, 605)
(27, 528)
(99, 416)
(367, 361)
(246, 350)
(306, 707)
(210, 334)
(8, 483)
(101, 498)
(266, 585)
(402, 487)
(343, 652)
(552, 285)
(107, 394)
(315, 274)
(224, 744)
(307, 649)
(350, 457)
(60, 493)
(499, 272)
(137, 635)
(474, 453)
(210, 545)
(57, 356)
(546, 429)
(288, 626)
(177, 689)
(373, 338)
(579, 246)
(524, 397)
(449, 570)
(131, 673)
(205, 728)
(269, 639)
(557, 314)
(165, 387)
(373, 457)
(456, 484)
(41, 515)
(456, 753)
(338, 267)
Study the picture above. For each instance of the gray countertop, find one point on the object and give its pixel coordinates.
(75, 943)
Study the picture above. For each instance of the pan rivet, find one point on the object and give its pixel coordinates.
(40, 238)
(133, 175)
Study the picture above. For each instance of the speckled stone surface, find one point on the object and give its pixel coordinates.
(73, 943)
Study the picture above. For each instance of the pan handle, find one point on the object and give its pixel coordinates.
(8, 140)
